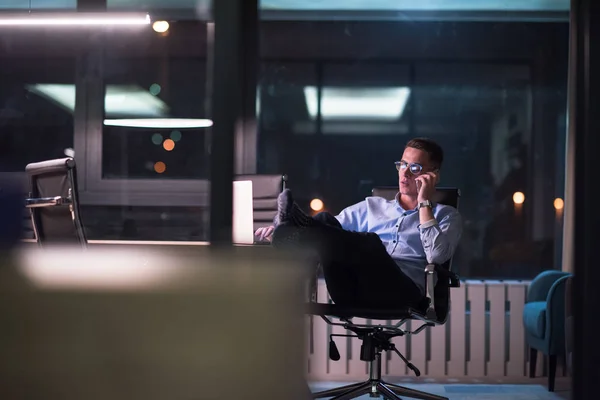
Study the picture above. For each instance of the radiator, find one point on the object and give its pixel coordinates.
(483, 337)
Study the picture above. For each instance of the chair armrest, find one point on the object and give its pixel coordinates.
(47, 202)
(540, 286)
(442, 273)
(555, 314)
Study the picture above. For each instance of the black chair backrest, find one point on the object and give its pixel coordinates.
(443, 195)
(265, 189)
(53, 202)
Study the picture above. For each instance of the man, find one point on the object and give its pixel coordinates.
(374, 253)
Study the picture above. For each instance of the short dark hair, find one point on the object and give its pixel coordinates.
(434, 150)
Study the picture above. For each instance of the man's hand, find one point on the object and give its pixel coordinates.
(427, 184)
(265, 233)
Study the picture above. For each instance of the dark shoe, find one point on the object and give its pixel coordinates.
(288, 211)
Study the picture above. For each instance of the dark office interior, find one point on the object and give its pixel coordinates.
(328, 95)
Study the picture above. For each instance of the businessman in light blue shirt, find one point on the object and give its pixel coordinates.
(373, 253)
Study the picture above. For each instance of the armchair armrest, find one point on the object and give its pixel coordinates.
(539, 288)
(555, 315)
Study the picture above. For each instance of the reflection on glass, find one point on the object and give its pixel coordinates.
(34, 127)
(154, 111)
(358, 104)
(38, 4)
(145, 223)
(490, 93)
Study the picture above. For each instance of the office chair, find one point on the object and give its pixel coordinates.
(53, 202)
(265, 190)
(376, 338)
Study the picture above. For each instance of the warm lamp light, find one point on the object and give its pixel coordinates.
(168, 145)
(559, 204)
(316, 204)
(160, 167)
(160, 26)
(518, 198)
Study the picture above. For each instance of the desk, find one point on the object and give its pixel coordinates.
(148, 243)
(177, 327)
(252, 253)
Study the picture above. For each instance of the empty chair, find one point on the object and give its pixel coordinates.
(53, 202)
(265, 189)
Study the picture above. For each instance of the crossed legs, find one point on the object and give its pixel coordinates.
(356, 266)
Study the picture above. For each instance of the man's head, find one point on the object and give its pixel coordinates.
(421, 155)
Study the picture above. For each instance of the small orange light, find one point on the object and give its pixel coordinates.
(160, 167)
(168, 144)
(559, 204)
(316, 204)
(519, 198)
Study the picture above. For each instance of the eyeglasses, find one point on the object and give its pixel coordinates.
(414, 168)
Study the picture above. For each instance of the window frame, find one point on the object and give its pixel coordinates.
(89, 115)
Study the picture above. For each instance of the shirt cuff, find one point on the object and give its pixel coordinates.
(427, 224)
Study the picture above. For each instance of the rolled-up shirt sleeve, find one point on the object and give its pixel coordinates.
(440, 236)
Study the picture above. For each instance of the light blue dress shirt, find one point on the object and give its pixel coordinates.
(411, 244)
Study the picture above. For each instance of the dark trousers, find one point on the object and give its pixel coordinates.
(358, 270)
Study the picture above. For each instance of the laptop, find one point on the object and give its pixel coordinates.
(243, 213)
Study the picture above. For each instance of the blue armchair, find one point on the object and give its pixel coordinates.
(544, 320)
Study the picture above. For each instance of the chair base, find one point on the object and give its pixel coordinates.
(375, 388)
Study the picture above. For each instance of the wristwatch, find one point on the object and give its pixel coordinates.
(425, 203)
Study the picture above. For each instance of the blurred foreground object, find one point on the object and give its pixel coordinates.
(11, 213)
(139, 324)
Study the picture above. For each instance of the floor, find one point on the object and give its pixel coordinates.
(534, 389)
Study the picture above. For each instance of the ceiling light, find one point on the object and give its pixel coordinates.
(160, 26)
(119, 100)
(160, 123)
(74, 19)
(380, 104)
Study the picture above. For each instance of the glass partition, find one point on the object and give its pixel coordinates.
(490, 88)
(340, 89)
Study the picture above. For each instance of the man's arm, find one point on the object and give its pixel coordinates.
(354, 218)
(440, 238)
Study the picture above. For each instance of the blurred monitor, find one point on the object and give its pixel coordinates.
(243, 213)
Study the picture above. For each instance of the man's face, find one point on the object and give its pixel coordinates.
(406, 178)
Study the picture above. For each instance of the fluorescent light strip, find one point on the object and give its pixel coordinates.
(356, 103)
(74, 19)
(160, 123)
(120, 100)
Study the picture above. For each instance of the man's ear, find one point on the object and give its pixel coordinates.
(437, 176)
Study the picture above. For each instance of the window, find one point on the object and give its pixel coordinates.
(285, 144)
(491, 93)
(155, 119)
(482, 115)
(38, 4)
(148, 127)
(145, 223)
(34, 125)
